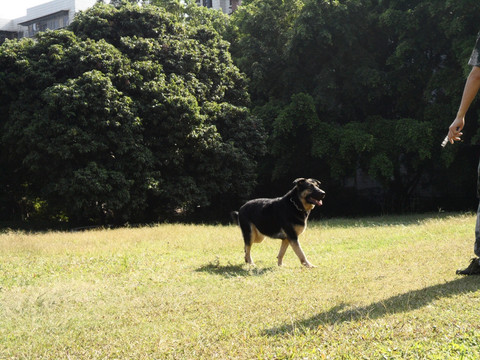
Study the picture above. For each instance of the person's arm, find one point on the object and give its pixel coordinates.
(472, 86)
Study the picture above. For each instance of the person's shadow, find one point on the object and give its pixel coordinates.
(411, 300)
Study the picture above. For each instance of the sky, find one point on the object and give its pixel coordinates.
(11, 9)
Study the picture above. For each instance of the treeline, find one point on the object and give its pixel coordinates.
(361, 94)
(170, 110)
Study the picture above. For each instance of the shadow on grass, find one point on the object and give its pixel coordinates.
(230, 270)
(411, 300)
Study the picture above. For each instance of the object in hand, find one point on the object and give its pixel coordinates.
(445, 141)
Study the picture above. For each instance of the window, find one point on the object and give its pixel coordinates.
(53, 22)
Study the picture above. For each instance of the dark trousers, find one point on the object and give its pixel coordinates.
(476, 247)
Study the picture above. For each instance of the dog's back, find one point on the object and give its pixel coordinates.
(264, 214)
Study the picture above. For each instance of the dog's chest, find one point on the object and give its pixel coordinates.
(299, 223)
(299, 229)
(281, 234)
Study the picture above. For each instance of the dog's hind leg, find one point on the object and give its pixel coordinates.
(248, 236)
(248, 258)
(253, 235)
(299, 252)
(283, 248)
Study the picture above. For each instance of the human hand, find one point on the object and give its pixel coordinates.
(454, 131)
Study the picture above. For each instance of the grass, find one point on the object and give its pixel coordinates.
(384, 288)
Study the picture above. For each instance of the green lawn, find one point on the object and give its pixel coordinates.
(383, 288)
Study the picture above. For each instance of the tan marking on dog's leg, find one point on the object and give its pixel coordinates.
(301, 255)
(255, 237)
(248, 258)
(283, 248)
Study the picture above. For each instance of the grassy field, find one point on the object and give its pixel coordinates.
(383, 288)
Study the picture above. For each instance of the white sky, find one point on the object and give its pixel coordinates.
(12, 9)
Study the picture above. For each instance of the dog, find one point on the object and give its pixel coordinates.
(282, 218)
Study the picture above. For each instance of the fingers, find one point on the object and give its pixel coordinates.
(454, 132)
(455, 129)
(454, 137)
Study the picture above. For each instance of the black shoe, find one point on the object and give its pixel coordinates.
(472, 269)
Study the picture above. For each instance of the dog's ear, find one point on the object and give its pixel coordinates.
(299, 181)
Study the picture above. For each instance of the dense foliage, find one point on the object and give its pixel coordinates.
(360, 94)
(130, 115)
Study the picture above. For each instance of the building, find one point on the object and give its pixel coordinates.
(51, 15)
(8, 30)
(227, 6)
(58, 14)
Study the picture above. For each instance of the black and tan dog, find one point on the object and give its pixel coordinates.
(282, 218)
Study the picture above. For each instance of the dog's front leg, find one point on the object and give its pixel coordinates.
(283, 248)
(301, 255)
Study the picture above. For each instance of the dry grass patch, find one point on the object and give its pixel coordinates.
(383, 288)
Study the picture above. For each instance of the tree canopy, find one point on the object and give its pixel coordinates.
(129, 115)
(363, 93)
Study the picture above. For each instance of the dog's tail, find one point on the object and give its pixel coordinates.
(234, 216)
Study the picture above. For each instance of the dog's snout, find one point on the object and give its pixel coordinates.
(319, 193)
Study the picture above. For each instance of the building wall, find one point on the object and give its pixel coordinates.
(52, 15)
(49, 8)
(235, 4)
(227, 6)
(58, 14)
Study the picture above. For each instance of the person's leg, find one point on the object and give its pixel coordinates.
(474, 267)
(476, 247)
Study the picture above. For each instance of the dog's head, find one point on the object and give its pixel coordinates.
(309, 192)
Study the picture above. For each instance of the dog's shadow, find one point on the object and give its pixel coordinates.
(231, 270)
(408, 301)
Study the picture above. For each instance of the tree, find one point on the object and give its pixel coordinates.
(377, 73)
(263, 29)
(112, 121)
(292, 138)
(77, 136)
(198, 67)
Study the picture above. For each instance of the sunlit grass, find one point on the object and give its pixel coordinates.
(383, 288)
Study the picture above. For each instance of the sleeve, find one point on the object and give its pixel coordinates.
(475, 57)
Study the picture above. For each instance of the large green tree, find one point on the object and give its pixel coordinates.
(132, 114)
